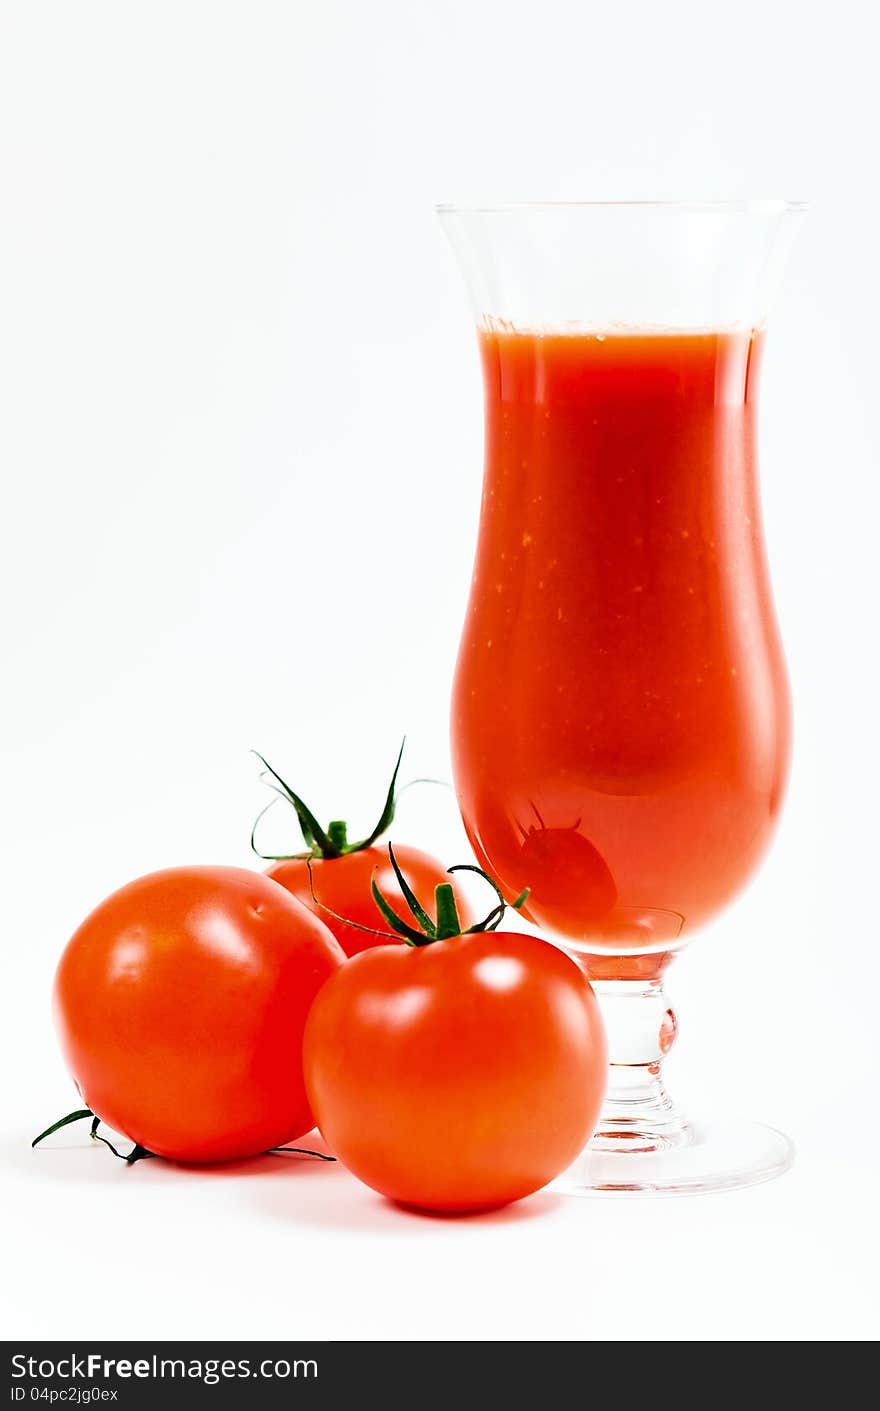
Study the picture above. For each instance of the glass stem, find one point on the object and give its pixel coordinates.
(638, 1114)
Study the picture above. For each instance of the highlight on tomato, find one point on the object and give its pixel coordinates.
(181, 1003)
(461, 1070)
(332, 876)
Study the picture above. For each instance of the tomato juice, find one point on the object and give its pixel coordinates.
(621, 723)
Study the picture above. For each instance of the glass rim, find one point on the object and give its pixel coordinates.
(730, 207)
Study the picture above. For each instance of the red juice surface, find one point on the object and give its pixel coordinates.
(621, 725)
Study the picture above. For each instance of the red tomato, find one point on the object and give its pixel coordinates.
(566, 873)
(343, 885)
(457, 1075)
(181, 1003)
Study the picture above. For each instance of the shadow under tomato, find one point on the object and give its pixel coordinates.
(308, 1151)
(305, 1191)
(344, 1203)
(514, 1211)
(268, 1163)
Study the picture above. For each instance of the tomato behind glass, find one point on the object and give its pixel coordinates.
(343, 886)
(339, 872)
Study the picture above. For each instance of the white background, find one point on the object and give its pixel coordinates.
(241, 449)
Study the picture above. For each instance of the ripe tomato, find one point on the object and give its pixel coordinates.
(343, 885)
(457, 1075)
(567, 874)
(181, 1003)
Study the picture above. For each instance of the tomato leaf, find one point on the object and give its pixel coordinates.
(470, 867)
(77, 1116)
(488, 923)
(331, 842)
(140, 1153)
(301, 1151)
(412, 900)
(416, 938)
(137, 1153)
(271, 856)
(313, 834)
(386, 817)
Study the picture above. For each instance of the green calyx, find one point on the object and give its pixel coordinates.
(446, 926)
(140, 1153)
(137, 1153)
(321, 843)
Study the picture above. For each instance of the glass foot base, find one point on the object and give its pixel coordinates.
(689, 1158)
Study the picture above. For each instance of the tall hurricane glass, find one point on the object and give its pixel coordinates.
(631, 769)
